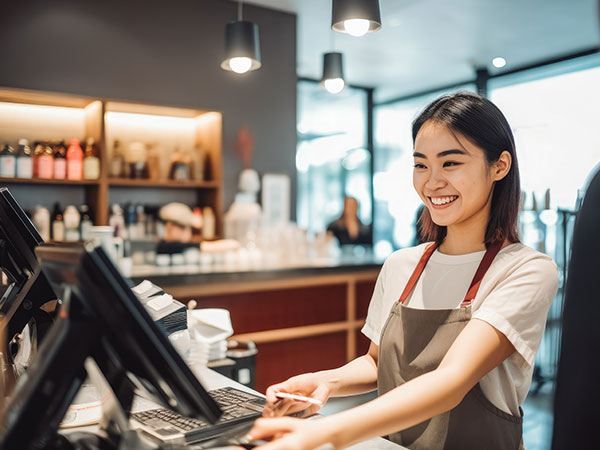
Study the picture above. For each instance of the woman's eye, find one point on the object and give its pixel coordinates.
(450, 164)
(420, 166)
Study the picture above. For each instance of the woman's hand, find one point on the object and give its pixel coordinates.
(308, 385)
(287, 433)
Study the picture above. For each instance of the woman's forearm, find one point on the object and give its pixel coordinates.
(356, 377)
(407, 405)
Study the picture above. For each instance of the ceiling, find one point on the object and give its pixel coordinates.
(424, 44)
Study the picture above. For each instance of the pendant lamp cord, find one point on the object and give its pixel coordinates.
(332, 40)
(240, 11)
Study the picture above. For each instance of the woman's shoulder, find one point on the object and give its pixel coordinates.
(406, 256)
(521, 252)
(518, 257)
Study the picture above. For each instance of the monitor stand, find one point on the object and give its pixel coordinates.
(42, 397)
(114, 431)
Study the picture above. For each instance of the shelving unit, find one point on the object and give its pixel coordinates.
(4, 180)
(53, 116)
(162, 183)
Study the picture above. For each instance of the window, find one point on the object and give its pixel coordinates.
(553, 112)
(332, 159)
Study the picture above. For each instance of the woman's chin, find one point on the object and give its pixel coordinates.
(441, 221)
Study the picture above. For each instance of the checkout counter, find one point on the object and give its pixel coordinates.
(315, 310)
(212, 380)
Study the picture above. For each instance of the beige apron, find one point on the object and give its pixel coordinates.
(414, 342)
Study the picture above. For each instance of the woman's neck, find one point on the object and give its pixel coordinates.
(466, 237)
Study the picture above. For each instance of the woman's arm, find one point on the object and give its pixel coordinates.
(478, 349)
(358, 376)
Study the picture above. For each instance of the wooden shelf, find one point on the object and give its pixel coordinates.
(59, 116)
(42, 98)
(48, 181)
(162, 183)
(155, 110)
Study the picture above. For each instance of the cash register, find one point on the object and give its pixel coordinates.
(101, 324)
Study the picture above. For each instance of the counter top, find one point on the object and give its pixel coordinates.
(213, 380)
(186, 275)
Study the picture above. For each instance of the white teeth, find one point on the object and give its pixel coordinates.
(443, 200)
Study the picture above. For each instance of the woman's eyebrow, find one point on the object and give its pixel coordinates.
(453, 151)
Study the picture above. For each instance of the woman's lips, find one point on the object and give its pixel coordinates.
(447, 199)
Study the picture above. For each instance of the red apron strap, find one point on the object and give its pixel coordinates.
(485, 264)
(417, 272)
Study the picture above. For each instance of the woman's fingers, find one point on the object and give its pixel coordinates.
(281, 408)
(271, 390)
(279, 444)
(311, 411)
(268, 428)
(301, 384)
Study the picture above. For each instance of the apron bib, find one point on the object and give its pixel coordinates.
(414, 342)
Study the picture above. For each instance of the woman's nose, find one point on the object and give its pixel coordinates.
(435, 180)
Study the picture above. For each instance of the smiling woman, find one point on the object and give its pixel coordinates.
(477, 165)
(453, 367)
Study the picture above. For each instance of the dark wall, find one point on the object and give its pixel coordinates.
(162, 52)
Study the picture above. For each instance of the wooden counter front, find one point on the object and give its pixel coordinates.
(300, 320)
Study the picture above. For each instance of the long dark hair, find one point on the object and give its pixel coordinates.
(480, 121)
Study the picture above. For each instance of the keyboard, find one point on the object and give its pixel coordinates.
(238, 407)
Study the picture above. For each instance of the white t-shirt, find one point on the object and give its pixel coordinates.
(514, 297)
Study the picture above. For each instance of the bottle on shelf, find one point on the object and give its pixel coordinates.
(116, 221)
(8, 162)
(24, 161)
(152, 220)
(198, 164)
(208, 226)
(153, 161)
(117, 161)
(142, 219)
(71, 221)
(180, 169)
(41, 220)
(91, 161)
(60, 161)
(86, 221)
(58, 223)
(74, 161)
(45, 161)
(38, 150)
(130, 217)
(136, 158)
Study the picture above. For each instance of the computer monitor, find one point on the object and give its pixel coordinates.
(100, 317)
(28, 289)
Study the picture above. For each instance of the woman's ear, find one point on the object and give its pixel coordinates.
(502, 166)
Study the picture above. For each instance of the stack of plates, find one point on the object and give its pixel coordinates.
(209, 329)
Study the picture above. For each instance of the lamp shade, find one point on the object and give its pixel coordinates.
(242, 47)
(333, 72)
(355, 17)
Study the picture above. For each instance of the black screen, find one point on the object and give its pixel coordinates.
(100, 318)
(27, 289)
(130, 337)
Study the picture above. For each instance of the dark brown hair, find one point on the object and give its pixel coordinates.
(482, 123)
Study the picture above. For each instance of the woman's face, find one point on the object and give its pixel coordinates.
(451, 176)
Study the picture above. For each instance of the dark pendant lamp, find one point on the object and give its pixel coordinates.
(242, 47)
(355, 17)
(333, 72)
